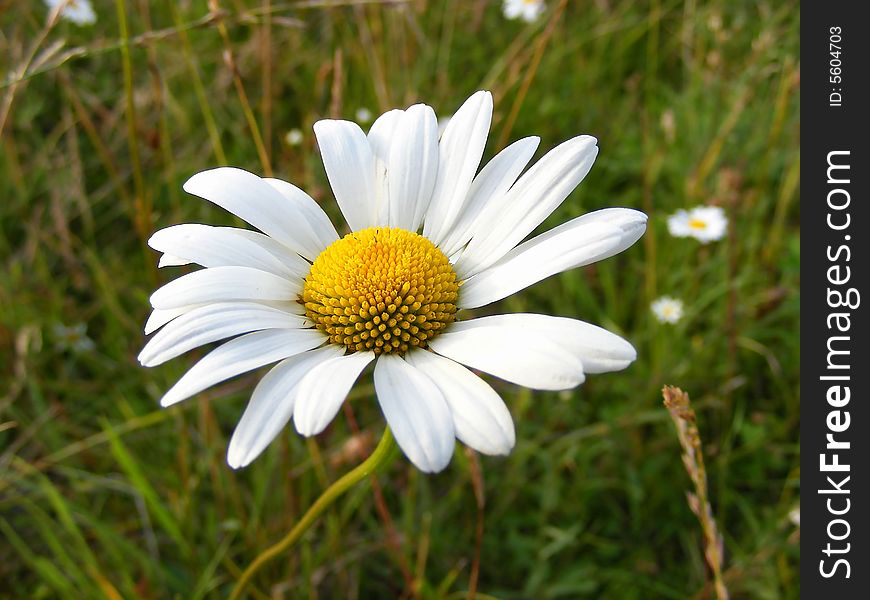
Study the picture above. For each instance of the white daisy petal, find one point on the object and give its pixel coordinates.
(322, 231)
(271, 405)
(511, 351)
(253, 199)
(168, 260)
(350, 167)
(161, 316)
(226, 246)
(581, 241)
(480, 417)
(490, 186)
(459, 153)
(211, 323)
(380, 136)
(535, 351)
(324, 388)
(292, 261)
(223, 284)
(600, 350)
(288, 306)
(412, 166)
(240, 355)
(531, 200)
(416, 411)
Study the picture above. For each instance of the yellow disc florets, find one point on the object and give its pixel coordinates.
(381, 289)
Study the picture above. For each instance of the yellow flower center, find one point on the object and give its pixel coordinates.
(381, 289)
(697, 224)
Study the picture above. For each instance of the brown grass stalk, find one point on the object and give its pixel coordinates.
(530, 74)
(230, 61)
(680, 408)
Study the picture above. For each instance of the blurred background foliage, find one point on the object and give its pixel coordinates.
(103, 494)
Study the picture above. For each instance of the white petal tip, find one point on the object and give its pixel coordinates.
(305, 429)
(497, 447)
(194, 184)
(171, 398)
(432, 467)
(325, 124)
(636, 227)
(483, 96)
(145, 357)
(435, 460)
(500, 451)
(236, 458)
(148, 359)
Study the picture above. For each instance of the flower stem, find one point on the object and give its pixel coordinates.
(377, 459)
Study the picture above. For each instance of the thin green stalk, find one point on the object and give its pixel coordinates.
(6, 106)
(266, 58)
(141, 203)
(332, 493)
(240, 91)
(198, 87)
(530, 74)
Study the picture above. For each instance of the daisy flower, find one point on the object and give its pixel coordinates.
(667, 309)
(704, 223)
(527, 10)
(794, 515)
(73, 337)
(363, 115)
(79, 12)
(429, 237)
(294, 137)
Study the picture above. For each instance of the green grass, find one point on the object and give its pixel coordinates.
(103, 494)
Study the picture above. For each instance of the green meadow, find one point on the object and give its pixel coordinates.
(103, 494)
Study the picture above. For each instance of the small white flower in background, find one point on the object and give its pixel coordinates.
(294, 137)
(527, 10)
(79, 12)
(667, 309)
(73, 337)
(363, 115)
(704, 223)
(324, 306)
(794, 515)
(669, 125)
